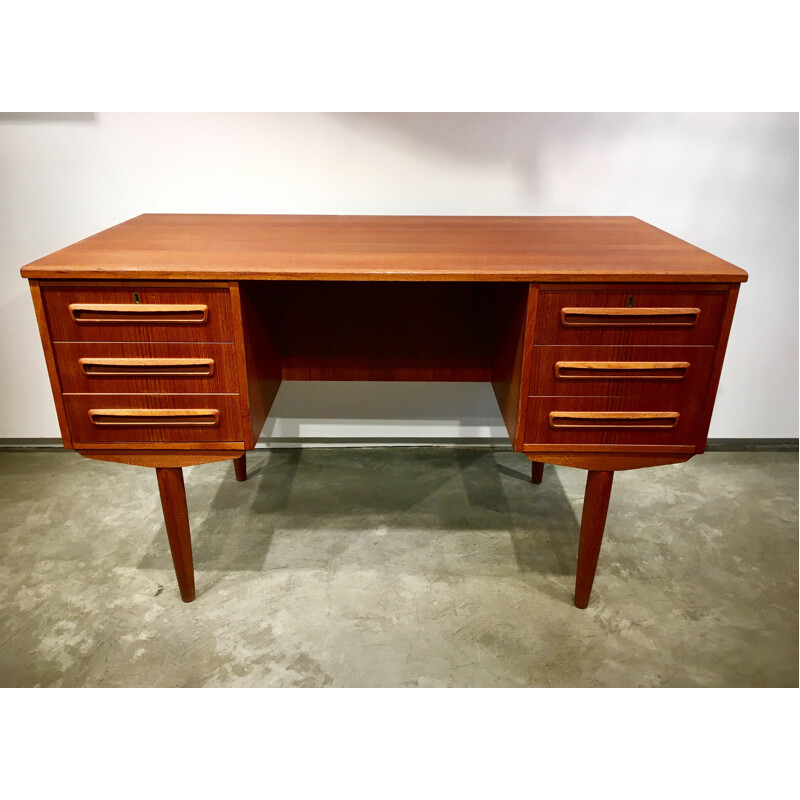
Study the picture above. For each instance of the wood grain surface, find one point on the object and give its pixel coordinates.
(50, 360)
(228, 427)
(541, 410)
(345, 330)
(615, 461)
(623, 378)
(81, 370)
(716, 368)
(160, 457)
(614, 329)
(593, 523)
(238, 247)
(258, 361)
(212, 323)
(176, 519)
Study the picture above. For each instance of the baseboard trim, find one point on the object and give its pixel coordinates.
(712, 446)
(739, 445)
(31, 444)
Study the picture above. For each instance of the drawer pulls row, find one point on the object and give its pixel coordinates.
(625, 420)
(622, 370)
(629, 317)
(144, 367)
(172, 417)
(138, 314)
(204, 367)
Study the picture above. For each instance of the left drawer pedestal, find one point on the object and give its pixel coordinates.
(147, 374)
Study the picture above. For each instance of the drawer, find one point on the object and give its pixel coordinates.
(153, 418)
(641, 372)
(159, 367)
(629, 315)
(613, 420)
(134, 313)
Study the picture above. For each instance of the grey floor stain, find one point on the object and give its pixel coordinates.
(398, 567)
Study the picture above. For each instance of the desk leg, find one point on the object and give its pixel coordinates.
(537, 470)
(176, 518)
(240, 467)
(593, 523)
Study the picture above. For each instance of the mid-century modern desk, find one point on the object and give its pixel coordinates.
(166, 337)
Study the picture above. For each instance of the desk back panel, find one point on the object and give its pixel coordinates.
(373, 330)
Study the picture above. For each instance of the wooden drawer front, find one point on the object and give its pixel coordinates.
(629, 315)
(162, 368)
(641, 372)
(613, 420)
(151, 418)
(112, 314)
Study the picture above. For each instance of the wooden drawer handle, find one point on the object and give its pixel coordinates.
(147, 367)
(648, 420)
(138, 314)
(172, 417)
(629, 317)
(622, 370)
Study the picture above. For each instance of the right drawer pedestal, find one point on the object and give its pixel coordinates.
(624, 368)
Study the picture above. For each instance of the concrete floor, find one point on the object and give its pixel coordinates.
(398, 567)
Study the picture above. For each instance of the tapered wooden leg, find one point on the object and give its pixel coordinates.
(240, 467)
(537, 470)
(593, 523)
(176, 518)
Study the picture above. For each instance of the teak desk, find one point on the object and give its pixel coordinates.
(166, 337)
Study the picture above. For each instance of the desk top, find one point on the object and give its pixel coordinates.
(301, 247)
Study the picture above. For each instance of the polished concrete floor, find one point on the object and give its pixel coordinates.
(398, 567)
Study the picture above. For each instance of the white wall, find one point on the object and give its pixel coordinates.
(725, 182)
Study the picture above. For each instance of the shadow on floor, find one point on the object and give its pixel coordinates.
(454, 498)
